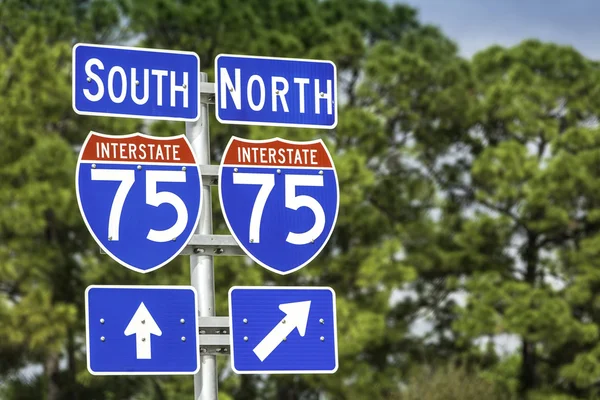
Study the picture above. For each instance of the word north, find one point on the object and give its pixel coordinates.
(278, 92)
(275, 91)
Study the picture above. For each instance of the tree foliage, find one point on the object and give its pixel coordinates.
(469, 199)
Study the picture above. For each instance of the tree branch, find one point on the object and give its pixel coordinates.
(470, 195)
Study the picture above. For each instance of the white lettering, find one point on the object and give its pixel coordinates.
(159, 153)
(111, 77)
(267, 155)
(105, 152)
(261, 85)
(132, 155)
(176, 88)
(279, 92)
(168, 151)
(160, 74)
(245, 155)
(88, 70)
(142, 149)
(133, 151)
(281, 153)
(326, 96)
(151, 147)
(227, 86)
(305, 153)
(134, 85)
(272, 153)
(301, 82)
(263, 154)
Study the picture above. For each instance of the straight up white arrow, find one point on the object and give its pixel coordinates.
(143, 326)
(296, 317)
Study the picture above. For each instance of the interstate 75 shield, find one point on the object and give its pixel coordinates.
(139, 196)
(280, 200)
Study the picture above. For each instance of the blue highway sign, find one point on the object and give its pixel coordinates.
(139, 196)
(283, 330)
(275, 91)
(280, 200)
(142, 330)
(136, 82)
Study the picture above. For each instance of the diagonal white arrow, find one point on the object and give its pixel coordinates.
(143, 326)
(296, 317)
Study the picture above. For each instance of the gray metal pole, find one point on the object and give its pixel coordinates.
(201, 266)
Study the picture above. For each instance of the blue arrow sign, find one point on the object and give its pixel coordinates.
(142, 330)
(283, 330)
(139, 196)
(275, 91)
(136, 82)
(280, 200)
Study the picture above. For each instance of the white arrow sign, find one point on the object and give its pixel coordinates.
(296, 317)
(143, 326)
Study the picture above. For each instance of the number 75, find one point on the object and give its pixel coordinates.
(153, 198)
(267, 182)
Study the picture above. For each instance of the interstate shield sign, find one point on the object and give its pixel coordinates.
(139, 196)
(280, 199)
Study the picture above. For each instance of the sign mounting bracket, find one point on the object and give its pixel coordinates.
(213, 335)
(207, 92)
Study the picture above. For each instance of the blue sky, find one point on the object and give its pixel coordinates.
(477, 24)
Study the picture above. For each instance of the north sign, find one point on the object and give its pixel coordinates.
(273, 91)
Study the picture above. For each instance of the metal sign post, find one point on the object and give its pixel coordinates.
(201, 264)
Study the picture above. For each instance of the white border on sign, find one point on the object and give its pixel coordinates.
(337, 207)
(280, 124)
(153, 117)
(155, 287)
(335, 338)
(81, 211)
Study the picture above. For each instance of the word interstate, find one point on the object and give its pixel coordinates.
(135, 152)
(103, 148)
(277, 153)
(263, 155)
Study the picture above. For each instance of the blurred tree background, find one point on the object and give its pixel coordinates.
(470, 203)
